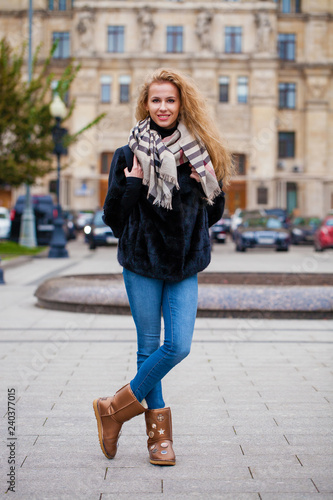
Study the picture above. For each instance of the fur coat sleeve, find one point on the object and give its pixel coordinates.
(113, 214)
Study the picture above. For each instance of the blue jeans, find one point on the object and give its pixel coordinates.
(178, 301)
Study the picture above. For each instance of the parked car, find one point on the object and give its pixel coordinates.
(226, 221)
(218, 232)
(324, 235)
(262, 232)
(44, 211)
(97, 233)
(69, 226)
(302, 229)
(4, 222)
(239, 215)
(83, 218)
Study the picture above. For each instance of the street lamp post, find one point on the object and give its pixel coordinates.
(28, 230)
(58, 240)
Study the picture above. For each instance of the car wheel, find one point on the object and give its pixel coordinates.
(240, 248)
(92, 245)
(318, 248)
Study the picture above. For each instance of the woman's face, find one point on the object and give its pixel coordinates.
(163, 103)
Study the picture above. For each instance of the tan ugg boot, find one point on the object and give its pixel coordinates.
(111, 413)
(159, 432)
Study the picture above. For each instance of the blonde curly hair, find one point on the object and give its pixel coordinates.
(194, 114)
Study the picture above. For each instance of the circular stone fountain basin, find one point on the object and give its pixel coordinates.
(270, 295)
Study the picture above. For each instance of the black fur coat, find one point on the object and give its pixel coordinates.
(155, 242)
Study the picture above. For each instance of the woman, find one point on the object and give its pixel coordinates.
(161, 206)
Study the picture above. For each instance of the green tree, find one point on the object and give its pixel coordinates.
(26, 143)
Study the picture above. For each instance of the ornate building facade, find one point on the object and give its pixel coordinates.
(265, 68)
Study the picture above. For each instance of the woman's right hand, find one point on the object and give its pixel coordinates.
(136, 169)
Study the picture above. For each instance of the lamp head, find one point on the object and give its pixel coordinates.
(58, 108)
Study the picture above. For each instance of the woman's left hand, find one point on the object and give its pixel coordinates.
(194, 174)
(136, 169)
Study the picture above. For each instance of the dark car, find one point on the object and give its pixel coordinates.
(262, 232)
(83, 218)
(324, 235)
(219, 230)
(44, 211)
(69, 225)
(302, 229)
(97, 233)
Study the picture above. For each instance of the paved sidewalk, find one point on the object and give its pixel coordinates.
(252, 404)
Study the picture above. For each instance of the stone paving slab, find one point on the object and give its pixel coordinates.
(253, 455)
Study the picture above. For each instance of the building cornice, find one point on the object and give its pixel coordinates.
(156, 5)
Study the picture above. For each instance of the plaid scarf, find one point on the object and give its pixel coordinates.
(159, 160)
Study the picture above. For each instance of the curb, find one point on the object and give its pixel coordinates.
(23, 259)
(16, 261)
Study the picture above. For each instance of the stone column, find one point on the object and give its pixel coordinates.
(84, 160)
(263, 102)
(316, 137)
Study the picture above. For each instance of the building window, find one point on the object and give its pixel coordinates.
(106, 82)
(62, 4)
(116, 35)
(174, 39)
(63, 48)
(286, 144)
(242, 89)
(287, 95)
(124, 88)
(233, 39)
(290, 6)
(224, 89)
(54, 87)
(262, 195)
(287, 46)
(106, 159)
(239, 161)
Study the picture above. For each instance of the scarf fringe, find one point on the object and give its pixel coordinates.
(165, 203)
(171, 179)
(214, 194)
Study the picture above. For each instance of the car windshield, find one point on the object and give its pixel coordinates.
(3, 216)
(264, 222)
(329, 222)
(98, 221)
